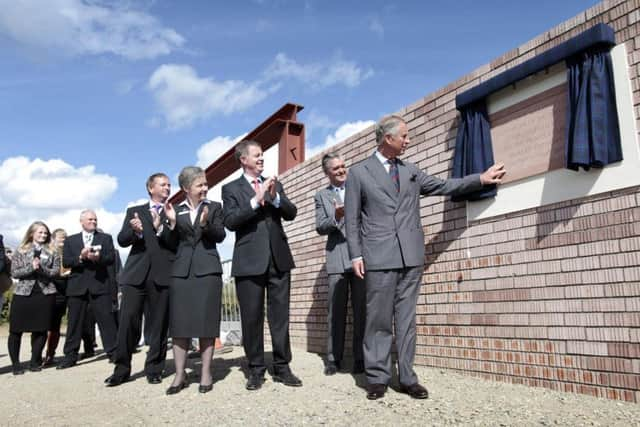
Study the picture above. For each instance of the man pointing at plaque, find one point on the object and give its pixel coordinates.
(386, 245)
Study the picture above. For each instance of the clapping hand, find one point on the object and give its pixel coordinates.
(339, 210)
(36, 263)
(156, 221)
(204, 215)
(171, 214)
(271, 186)
(136, 223)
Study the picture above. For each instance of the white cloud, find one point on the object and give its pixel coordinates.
(55, 192)
(318, 75)
(77, 27)
(343, 132)
(183, 97)
(375, 26)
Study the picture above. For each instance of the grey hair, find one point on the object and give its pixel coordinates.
(242, 148)
(188, 174)
(387, 125)
(86, 211)
(327, 158)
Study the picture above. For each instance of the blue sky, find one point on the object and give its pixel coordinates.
(97, 95)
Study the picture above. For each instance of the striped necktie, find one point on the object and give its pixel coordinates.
(393, 172)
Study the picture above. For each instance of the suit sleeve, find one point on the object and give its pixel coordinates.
(214, 229)
(70, 258)
(108, 252)
(235, 215)
(126, 236)
(2, 256)
(53, 271)
(431, 185)
(353, 214)
(325, 223)
(168, 237)
(21, 265)
(287, 209)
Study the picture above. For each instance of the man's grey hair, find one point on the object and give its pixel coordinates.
(327, 158)
(242, 148)
(87, 211)
(188, 174)
(387, 125)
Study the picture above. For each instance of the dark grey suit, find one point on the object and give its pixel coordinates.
(341, 279)
(383, 227)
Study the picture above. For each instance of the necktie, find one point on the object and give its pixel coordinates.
(157, 207)
(87, 239)
(393, 172)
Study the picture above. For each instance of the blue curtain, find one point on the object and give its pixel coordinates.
(593, 135)
(473, 153)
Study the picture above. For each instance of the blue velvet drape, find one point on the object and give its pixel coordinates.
(473, 152)
(593, 134)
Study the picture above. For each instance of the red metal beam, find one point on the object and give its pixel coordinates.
(281, 127)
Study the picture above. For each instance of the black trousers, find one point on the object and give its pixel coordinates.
(251, 294)
(101, 306)
(134, 300)
(38, 339)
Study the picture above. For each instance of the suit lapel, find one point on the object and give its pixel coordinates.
(380, 175)
(403, 172)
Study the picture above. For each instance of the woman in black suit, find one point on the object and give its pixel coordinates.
(195, 226)
(35, 265)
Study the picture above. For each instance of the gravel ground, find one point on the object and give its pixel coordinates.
(77, 396)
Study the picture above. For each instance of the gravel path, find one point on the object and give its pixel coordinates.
(77, 396)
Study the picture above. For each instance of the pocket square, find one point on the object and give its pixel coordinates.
(413, 177)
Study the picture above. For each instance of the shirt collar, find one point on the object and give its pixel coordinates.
(185, 202)
(382, 158)
(250, 179)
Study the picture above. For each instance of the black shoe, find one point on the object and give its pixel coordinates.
(48, 361)
(154, 378)
(205, 388)
(287, 378)
(255, 381)
(175, 389)
(331, 368)
(87, 355)
(66, 364)
(415, 390)
(35, 367)
(17, 370)
(358, 367)
(376, 391)
(114, 381)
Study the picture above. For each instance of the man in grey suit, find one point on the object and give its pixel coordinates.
(330, 222)
(385, 237)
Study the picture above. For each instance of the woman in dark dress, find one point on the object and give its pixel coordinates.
(60, 307)
(34, 265)
(194, 228)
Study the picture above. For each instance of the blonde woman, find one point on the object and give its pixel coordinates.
(34, 264)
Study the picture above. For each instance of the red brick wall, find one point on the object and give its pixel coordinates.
(549, 297)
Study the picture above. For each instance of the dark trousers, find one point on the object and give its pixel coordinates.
(38, 340)
(134, 300)
(89, 330)
(101, 306)
(339, 287)
(251, 292)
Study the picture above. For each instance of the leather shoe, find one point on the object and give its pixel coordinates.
(174, 389)
(35, 367)
(415, 390)
(330, 369)
(358, 367)
(114, 381)
(254, 382)
(376, 391)
(287, 378)
(205, 388)
(66, 364)
(17, 370)
(154, 378)
(87, 355)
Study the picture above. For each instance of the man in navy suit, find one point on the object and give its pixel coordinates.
(88, 254)
(254, 207)
(144, 280)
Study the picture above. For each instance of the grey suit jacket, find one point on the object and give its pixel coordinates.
(338, 260)
(383, 226)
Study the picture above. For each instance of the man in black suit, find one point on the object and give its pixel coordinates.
(2, 258)
(254, 207)
(88, 254)
(145, 278)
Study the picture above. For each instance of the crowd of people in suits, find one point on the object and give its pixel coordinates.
(374, 252)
